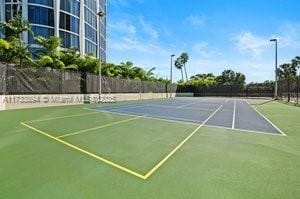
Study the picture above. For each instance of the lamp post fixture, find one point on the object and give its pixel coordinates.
(276, 66)
(100, 14)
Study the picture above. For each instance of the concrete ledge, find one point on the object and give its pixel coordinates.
(31, 101)
(2, 104)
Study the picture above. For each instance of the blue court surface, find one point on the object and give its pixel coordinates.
(230, 113)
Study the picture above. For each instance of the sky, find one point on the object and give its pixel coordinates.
(217, 34)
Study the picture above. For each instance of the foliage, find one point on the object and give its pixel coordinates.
(17, 51)
(265, 84)
(230, 78)
(15, 27)
(227, 78)
(179, 65)
(287, 72)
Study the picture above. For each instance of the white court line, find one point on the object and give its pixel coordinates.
(187, 105)
(160, 118)
(166, 106)
(278, 129)
(233, 115)
(244, 130)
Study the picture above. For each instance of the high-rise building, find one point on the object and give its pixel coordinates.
(76, 22)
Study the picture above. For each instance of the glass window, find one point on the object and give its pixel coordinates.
(40, 31)
(90, 47)
(68, 22)
(42, 2)
(12, 10)
(69, 40)
(40, 15)
(91, 4)
(90, 17)
(90, 33)
(71, 6)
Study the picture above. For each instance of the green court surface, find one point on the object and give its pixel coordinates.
(73, 152)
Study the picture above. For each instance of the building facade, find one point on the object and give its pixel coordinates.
(76, 22)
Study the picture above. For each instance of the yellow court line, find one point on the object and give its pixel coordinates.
(156, 167)
(129, 171)
(86, 152)
(68, 116)
(99, 127)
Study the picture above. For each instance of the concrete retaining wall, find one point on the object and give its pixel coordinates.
(31, 101)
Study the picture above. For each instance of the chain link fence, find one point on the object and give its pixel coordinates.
(227, 91)
(288, 89)
(16, 80)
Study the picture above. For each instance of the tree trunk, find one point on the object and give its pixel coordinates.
(182, 74)
(185, 73)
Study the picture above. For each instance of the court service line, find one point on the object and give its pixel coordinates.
(174, 120)
(86, 152)
(233, 115)
(187, 105)
(244, 130)
(99, 127)
(60, 117)
(174, 107)
(278, 129)
(156, 167)
(162, 118)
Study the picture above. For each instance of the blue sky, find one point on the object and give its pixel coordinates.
(217, 34)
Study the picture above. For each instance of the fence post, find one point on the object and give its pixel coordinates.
(6, 79)
(297, 80)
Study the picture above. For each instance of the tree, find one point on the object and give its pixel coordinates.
(71, 59)
(179, 65)
(287, 72)
(89, 64)
(126, 68)
(231, 78)
(202, 76)
(50, 47)
(184, 57)
(4, 49)
(13, 30)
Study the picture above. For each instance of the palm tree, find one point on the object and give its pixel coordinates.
(286, 72)
(13, 30)
(184, 60)
(179, 65)
(150, 73)
(126, 69)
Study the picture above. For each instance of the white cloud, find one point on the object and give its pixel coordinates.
(204, 50)
(254, 45)
(289, 35)
(196, 20)
(123, 27)
(148, 28)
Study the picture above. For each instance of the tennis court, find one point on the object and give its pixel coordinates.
(139, 138)
(171, 148)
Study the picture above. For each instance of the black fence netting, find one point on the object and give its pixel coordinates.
(288, 89)
(227, 91)
(2, 79)
(16, 80)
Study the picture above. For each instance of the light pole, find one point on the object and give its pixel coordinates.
(276, 70)
(171, 69)
(171, 72)
(100, 15)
